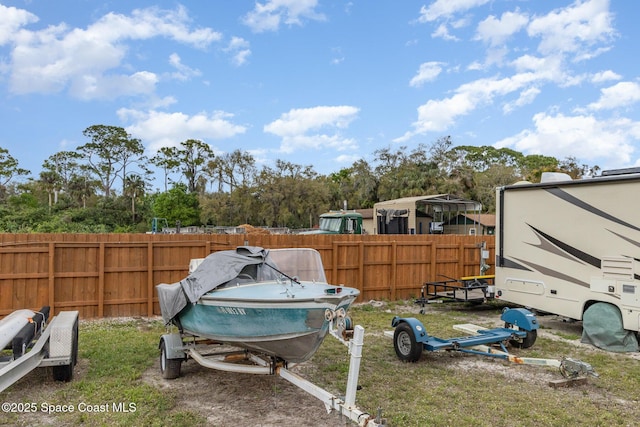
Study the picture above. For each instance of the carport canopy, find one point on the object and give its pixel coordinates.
(436, 206)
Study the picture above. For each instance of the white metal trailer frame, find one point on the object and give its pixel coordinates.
(562, 246)
(56, 346)
(175, 348)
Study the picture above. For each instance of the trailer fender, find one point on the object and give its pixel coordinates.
(520, 317)
(418, 328)
(173, 346)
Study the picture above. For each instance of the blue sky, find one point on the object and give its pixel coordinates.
(323, 82)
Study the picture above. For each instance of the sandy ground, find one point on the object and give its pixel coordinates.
(231, 399)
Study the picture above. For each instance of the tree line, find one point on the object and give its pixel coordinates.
(105, 185)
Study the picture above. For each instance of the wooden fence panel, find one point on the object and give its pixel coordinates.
(413, 268)
(113, 275)
(125, 291)
(379, 280)
(78, 274)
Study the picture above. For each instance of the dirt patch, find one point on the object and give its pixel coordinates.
(231, 399)
(38, 387)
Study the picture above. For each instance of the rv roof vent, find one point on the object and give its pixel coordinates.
(620, 171)
(554, 177)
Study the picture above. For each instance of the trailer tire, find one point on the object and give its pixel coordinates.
(405, 344)
(525, 342)
(170, 368)
(65, 372)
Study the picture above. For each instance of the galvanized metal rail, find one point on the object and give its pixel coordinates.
(56, 346)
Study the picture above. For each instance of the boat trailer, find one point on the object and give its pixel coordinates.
(410, 338)
(176, 348)
(28, 342)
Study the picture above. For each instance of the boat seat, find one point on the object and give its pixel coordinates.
(248, 274)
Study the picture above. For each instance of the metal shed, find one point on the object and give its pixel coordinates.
(421, 214)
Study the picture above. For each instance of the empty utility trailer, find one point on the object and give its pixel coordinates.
(563, 246)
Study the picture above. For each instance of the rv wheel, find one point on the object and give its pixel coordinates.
(525, 342)
(170, 368)
(405, 344)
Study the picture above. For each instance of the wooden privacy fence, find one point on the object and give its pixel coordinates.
(114, 275)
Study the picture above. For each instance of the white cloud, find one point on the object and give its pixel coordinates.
(12, 20)
(619, 95)
(496, 31)
(161, 102)
(563, 136)
(604, 76)
(550, 68)
(113, 86)
(160, 129)
(446, 8)
(152, 22)
(270, 15)
(527, 96)
(239, 50)
(347, 159)
(443, 32)
(428, 72)
(57, 57)
(438, 115)
(579, 30)
(183, 72)
(573, 29)
(301, 128)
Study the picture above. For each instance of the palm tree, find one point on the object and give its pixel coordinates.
(134, 186)
(51, 183)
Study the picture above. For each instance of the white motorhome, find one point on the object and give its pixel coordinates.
(563, 245)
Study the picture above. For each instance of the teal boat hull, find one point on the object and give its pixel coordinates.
(289, 325)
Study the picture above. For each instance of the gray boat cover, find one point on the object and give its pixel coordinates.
(215, 270)
(602, 327)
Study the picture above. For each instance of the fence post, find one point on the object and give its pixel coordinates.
(334, 262)
(150, 288)
(394, 270)
(101, 256)
(433, 261)
(461, 259)
(52, 277)
(361, 267)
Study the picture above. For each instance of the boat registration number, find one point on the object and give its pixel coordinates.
(232, 310)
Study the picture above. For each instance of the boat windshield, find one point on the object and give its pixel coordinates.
(303, 263)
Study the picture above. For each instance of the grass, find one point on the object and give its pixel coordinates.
(111, 391)
(441, 389)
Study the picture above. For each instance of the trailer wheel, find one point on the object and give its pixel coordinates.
(525, 342)
(170, 368)
(65, 372)
(405, 344)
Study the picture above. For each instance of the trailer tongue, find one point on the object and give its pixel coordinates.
(568, 367)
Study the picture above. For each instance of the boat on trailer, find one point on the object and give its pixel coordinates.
(258, 311)
(275, 302)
